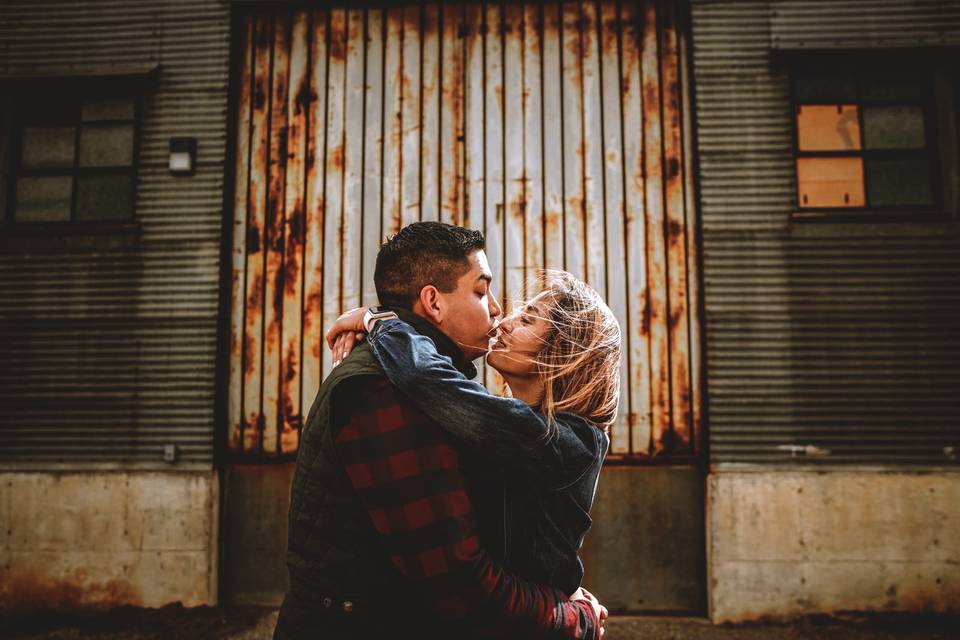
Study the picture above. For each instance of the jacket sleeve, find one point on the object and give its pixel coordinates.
(408, 477)
(505, 429)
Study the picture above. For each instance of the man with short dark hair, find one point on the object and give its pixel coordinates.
(383, 538)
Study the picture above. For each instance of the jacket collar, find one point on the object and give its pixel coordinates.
(445, 346)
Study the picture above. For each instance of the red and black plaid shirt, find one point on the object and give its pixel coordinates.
(408, 476)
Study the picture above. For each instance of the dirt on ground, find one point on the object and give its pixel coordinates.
(251, 623)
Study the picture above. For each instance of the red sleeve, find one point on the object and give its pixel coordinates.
(408, 476)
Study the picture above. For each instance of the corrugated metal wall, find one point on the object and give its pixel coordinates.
(559, 129)
(862, 24)
(833, 343)
(109, 353)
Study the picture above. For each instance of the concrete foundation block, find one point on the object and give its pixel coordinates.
(101, 539)
(845, 541)
(776, 588)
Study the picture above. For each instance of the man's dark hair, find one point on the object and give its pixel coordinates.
(421, 254)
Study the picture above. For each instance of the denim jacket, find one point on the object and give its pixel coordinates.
(549, 483)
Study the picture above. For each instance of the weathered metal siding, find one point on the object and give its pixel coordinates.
(857, 24)
(825, 342)
(559, 129)
(109, 353)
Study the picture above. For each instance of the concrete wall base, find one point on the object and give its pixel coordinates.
(793, 543)
(101, 539)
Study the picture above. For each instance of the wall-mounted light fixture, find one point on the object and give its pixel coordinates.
(183, 156)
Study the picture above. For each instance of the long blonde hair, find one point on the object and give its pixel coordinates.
(580, 361)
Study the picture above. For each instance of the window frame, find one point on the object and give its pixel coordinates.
(854, 65)
(79, 89)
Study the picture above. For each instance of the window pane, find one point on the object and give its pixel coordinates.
(48, 148)
(106, 146)
(893, 128)
(899, 181)
(887, 85)
(104, 197)
(824, 87)
(828, 128)
(50, 107)
(43, 198)
(107, 109)
(830, 182)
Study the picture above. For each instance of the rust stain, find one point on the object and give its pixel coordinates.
(293, 250)
(673, 167)
(305, 96)
(254, 296)
(259, 97)
(337, 42)
(553, 221)
(335, 162)
(249, 347)
(645, 315)
(278, 286)
(518, 208)
(253, 240)
(27, 591)
(674, 232)
(279, 158)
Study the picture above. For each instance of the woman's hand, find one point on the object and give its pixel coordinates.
(345, 333)
(598, 609)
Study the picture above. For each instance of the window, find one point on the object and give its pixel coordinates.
(73, 157)
(865, 139)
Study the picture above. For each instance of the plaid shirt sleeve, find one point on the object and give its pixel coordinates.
(408, 476)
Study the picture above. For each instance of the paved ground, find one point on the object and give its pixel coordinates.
(176, 623)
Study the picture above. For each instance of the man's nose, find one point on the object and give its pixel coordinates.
(495, 310)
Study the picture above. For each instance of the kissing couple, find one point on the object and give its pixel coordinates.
(424, 506)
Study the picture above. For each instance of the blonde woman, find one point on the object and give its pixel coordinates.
(536, 455)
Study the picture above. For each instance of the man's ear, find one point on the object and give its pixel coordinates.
(431, 304)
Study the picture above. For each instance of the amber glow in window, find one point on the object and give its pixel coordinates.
(830, 182)
(863, 138)
(828, 127)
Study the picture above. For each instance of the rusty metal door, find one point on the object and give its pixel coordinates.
(561, 130)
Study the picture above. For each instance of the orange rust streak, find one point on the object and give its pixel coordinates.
(552, 139)
(575, 209)
(334, 187)
(372, 154)
(613, 168)
(239, 250)
(392, 123)
(314, 210)
(676, 233)
(411, 117)
(515, 171)
(451, 117)
(298, 104)
(593, 179)
(276, 200)
(638, 335)
(256, 238)
(532, 147)
(656, 250)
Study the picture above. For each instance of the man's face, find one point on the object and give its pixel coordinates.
(470, 310)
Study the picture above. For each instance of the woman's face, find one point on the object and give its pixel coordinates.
(520, 338)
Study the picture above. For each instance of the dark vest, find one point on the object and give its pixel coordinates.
(333, 550)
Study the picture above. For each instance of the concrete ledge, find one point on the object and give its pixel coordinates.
(787, 544)
(107, 538)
